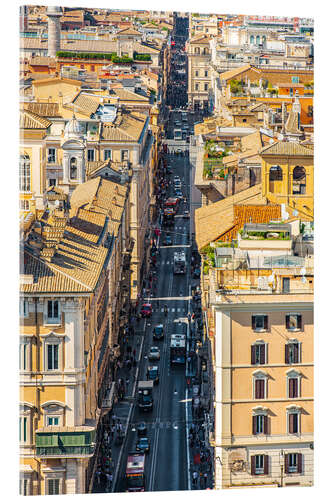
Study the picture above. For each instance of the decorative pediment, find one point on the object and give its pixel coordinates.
(52, 335)
(259, 374)
(73, 145)
(293, 373)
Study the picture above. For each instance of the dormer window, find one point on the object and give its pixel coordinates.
(73, 169)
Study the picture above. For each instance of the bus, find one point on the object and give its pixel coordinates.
(135, 472)
(179, 263)
(178, 349)
(177, 134)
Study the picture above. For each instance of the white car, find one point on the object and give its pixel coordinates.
(154, 353)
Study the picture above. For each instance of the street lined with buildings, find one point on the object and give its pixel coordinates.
(167, 231)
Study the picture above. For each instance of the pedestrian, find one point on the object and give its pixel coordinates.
(112, 433)
(109, 478)
(127, 383)
(195, 477)
(98, 475)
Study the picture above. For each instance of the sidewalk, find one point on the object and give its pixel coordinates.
(112, 447)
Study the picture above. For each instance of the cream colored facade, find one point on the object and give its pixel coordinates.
(199, 78)
(254, 441)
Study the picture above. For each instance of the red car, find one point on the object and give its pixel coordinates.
(146, 310)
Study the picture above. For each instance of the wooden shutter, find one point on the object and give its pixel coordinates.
(296, 353)
(299, 321)
(287, 321)
(262, 354)
(291, 423)
(291, 388)
(286, 463)
(254, 424)
(265, 424)
(265, 464)
(259, 389)
(253, 322)
(253, 354)
(266, 322)
(253, 465)
(286, 354)
(299, 463)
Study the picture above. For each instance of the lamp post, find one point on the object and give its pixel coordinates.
(281, 480)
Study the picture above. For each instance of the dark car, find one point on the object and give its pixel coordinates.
(146, 310)
(158, 332)
(153, 374)
(196, 272)
(167, 240)
(142, 429)
(143, 445)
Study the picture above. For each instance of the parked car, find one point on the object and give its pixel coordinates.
(154, 353)
(186, 214)
(158, 332)
(146, 310)
(153, 374)
(143, 445)
(142, 429)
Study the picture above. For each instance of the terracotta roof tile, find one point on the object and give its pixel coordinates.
(29, 120)
(286, 149)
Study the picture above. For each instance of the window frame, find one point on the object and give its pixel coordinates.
(52, 320)
(265, 322)
(297, 467)
(107, 154)
(299, 322)
(293, 342)
(25, 174)
(91, 150)
(50, 155)
(51, 479)
(52, 348)
(262, 377)
(262, 347)
(296, 413)
(124, 152)
(52, 417)
(25, 354)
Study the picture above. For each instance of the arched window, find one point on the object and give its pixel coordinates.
(275, 173)
(197, 50)
(73, 169)
(25, 184)
(257, 40)
(263, 39)
(299, 180)
(252, 39)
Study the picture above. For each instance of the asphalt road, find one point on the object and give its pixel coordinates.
(166, 463)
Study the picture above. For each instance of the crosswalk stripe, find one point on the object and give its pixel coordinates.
(173, 310)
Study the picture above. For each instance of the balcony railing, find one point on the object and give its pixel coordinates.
(56, 451)
(65, 441)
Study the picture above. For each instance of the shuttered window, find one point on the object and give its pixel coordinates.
(260, 322)
(52, 357)
(259, 464)
(293, 322)
(293, 388)
(293, 463)
(53, 486)
(259, 389)
(259, 424)
(293, 422)
(292, 353)
(258, 354)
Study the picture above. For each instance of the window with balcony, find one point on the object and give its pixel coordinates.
(293, 463)
(51, 155)
(259, 465)
(91, 155)
(25, 174)
(260, 322)
(107, 154)
(292, 352)
(258, 353)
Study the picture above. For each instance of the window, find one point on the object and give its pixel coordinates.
(23, 429)
(310, 111)
(124, 155)
(206, 86)
(293, 322)
(107, 154)
(285, 285)
(196, 86)
(292, 352)
(259, 388)
(244, 120)
(257, 40)
(73, 169)
(51, 155)
(259, 424)
(293, 422)
(52, 182)
(259, 464)
(260, 322)
(295, 79)
(25, 487)
(52, 357)
(299, 180)
(206, 73)
(293, 463)
(197, 73)
(258, 354)
(24, 360)
(24, 180)
(24, 308)
(252, 39)
(53, 486)
(53, 313)
(293, 387)
(91, 155)
(275, 173)
(52, 421)
(24, 205)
